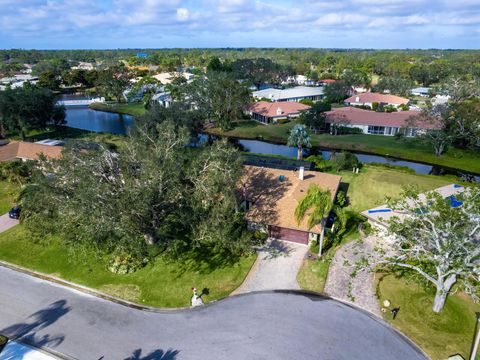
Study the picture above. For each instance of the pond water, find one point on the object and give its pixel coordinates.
(82, 117)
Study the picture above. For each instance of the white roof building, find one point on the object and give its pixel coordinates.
(420, 91)
(297, 93)
(167, 77)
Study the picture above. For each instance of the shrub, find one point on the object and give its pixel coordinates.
(343, 130)
(374, 106)
(345, 160)
(393, 167)
(341, 198)
(283, 121)
(367, 228)
(389, 108)
(125, 263)
(16, 171)
(306, 102)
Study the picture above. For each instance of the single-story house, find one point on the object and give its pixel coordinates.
(167, 77)
(380, 215)
(376, 123)
(270, 112)
(299, 80)
(163, 98)
(270, 197)
(420, 91)
(296, 93)
(28, 151)
(369, 98)
(84, 66)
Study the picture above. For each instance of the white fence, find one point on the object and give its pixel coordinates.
(83, 102)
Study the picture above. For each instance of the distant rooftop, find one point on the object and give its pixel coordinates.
(370, 97)
(277, 109)
(290, 93)
(27, 150)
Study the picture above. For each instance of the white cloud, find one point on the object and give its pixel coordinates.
(115, 19)
(182, 14)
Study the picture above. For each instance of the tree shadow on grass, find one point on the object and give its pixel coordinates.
(204, 261)
(159, 354)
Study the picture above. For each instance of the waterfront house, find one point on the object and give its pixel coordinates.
(270, 112)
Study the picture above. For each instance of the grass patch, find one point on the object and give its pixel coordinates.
(439, 335)
(67, 133)
(409, 149)
(134, 109)
(370, 187)
(8, 195)
(162, 283)
(130, 292)
(313, 274)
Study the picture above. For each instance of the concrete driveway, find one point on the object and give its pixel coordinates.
(7, 223)
(268, 325)
(276, 267)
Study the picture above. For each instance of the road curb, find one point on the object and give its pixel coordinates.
(87, 290)
(311, 294)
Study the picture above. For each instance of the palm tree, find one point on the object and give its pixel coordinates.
(299, 138)
(318, 204)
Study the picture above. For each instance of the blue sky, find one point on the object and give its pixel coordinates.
(86, 24)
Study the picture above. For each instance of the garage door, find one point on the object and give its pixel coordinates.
(280, 233)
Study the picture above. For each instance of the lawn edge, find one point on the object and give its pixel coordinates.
(311, 294)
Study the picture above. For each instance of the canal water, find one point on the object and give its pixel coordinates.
(82, 117)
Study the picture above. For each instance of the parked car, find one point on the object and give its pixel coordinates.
(14, 213)
(10, 349)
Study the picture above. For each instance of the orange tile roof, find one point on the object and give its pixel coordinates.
(274, 201)
(370, 97)
(356, 116)
(27, 150)
(269, 109)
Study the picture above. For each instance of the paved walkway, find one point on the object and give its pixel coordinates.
(6, 223)
(345, 282)
(276, 267)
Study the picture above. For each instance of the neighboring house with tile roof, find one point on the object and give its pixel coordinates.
(271, 196)
(270, 112)
(369, 98)
(28, 151)
(377, 123)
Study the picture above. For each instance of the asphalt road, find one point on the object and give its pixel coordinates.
(265, 325)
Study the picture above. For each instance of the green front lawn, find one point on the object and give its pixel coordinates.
(439, 335)
(409, 149)
(163, 283)
(8, 195)
(370, 187)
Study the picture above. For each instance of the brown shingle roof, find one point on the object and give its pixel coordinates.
(274, 201)
(356, 116)
(26, 150)
(269, 109)
(370, 97)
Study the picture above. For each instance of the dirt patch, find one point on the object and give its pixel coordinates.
(128, 292)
